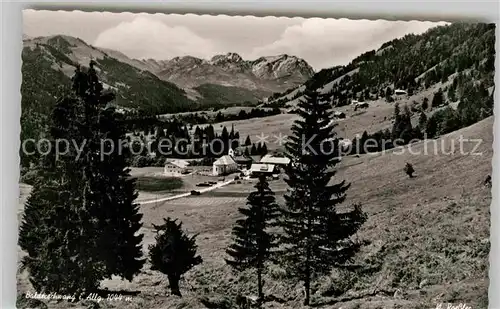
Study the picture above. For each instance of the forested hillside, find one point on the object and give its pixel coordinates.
(135, 88)
(412, 63)
(48, 65)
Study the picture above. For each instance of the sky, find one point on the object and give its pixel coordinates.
(322, 42)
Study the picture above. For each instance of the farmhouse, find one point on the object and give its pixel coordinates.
(243, 161)
(339, 115)
(361, 105)
(224, 165)
(176, 167)
(270, 159)
(345, 144)
(258, 169)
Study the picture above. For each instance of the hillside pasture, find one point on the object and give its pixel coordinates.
(378, 116)
(425, 241)
(158, 184)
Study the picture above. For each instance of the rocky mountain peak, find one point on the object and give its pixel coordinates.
(186, 60)
(281, 66)
(230, 62)
(227, 58)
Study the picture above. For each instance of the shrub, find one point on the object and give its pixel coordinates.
(409, 170)
(173, 253)
(140, 161)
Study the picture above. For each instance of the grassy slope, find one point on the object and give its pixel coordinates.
(215, 95)
(156, 184)
(431, 230)
(376, 117)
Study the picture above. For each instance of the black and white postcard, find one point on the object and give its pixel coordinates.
(198, 161)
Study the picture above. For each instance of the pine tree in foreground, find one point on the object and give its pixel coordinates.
(173, 253)
(253, 243)
(111, 187)
(315, 237)
(80, 222)
(59, 234)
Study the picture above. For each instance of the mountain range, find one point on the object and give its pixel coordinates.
(222, 80)
(264, 75)
(451, 59)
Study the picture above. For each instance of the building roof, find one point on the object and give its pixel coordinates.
(269, 159)
(224, 160)
(178, 163)
(361, 103)
(242, 159)
(262, 168)
(345, 143)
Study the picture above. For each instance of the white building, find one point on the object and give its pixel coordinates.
(345, 144)
(399, 92)
(176, 167)
(361, 105)
(224, 165)
(270, 159)
(258, 169)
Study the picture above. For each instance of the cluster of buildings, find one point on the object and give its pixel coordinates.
(268, 165)
(231, 163)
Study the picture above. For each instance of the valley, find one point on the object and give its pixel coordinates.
(413, 257)
(426, 237)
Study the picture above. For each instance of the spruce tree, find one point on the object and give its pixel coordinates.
(253, 150)
(253, 243)
(437, 99)
(407, 132)
(431, 128)
(108, 184)
(397, 127)
(388, 94)
(59, 232)
(121, 242)
(422, 120)
(425, 104)
(409, 170)
(263, 150)
(248, 142)
(173, 253)
(80, 221)
(315, 236)
(258, 150)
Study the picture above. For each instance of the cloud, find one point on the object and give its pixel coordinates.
(84, 25)
(328, 42)
(321, 42)
(146, 37)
